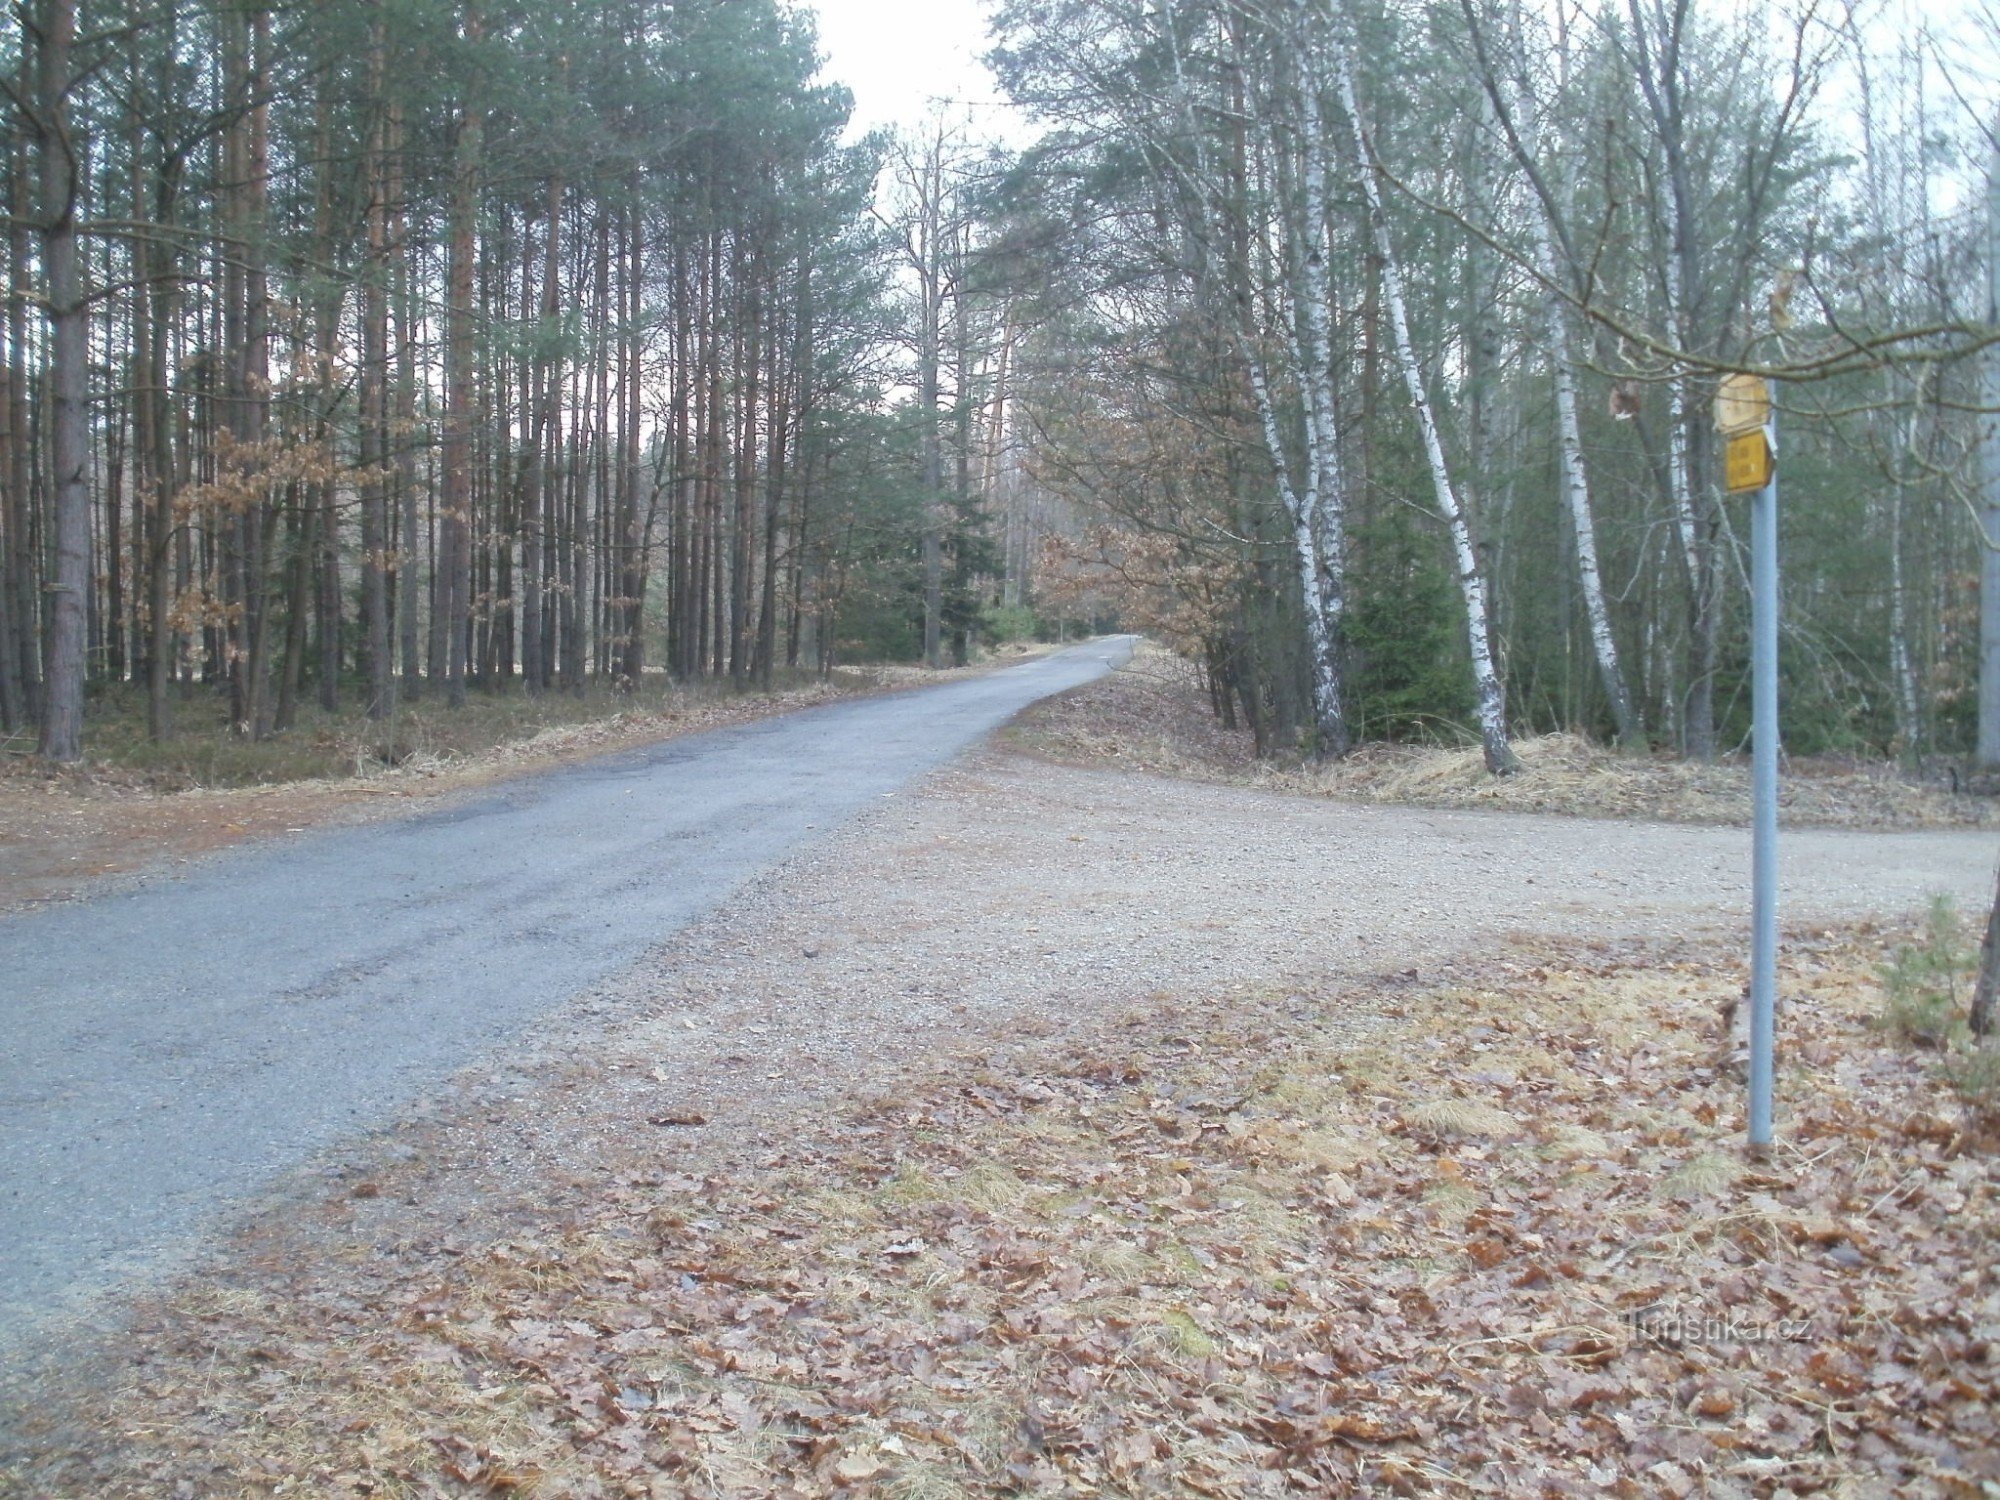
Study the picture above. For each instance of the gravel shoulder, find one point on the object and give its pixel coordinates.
(1004, 905)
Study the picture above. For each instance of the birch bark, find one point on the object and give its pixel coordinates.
(1696, 514)
(1576, 494)
(1499, 754)
(1569, 435)
(1323, 515)
(1317, 513)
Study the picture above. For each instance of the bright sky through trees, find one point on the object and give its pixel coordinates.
(900, 55)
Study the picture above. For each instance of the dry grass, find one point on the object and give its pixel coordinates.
(1450, 1118)
(1154, 716)
(423, 740)
(949, 1297)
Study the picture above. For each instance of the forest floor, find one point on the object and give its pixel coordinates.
(1155, 716)
(1065, 1131)
(132, 806)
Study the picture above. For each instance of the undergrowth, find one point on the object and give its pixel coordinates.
(1156, 716)
(1927, 987)
(205, 749)
(1924, 979)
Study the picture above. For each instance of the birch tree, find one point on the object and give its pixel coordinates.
(1314, 504)
(1561, 283)
(1493, 729)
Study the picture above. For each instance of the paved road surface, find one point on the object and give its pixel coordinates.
(171, 1048)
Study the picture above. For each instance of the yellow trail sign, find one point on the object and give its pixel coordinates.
(1746, 461)
(1742, 402)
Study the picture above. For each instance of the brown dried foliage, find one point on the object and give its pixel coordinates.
(1218, 1254)
(1155, 716)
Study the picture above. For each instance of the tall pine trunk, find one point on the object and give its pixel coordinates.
(377, 533)
(15, 627)
(405, 494)
(543, 383)
(69, 355)
(455, 522)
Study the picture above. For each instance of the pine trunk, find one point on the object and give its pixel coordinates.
(455, 521)
(69, 355)
(371, 448)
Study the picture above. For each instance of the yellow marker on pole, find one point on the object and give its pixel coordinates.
(1746, 460)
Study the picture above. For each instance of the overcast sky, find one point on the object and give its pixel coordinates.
(899, 55)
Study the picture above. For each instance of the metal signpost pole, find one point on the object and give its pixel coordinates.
(1988, 748)
(1764, 798)
(1744, 414)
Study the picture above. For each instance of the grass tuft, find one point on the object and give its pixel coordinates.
(1459, 1117)
(1974, 1074)
(1186, 1335)
(1701, 1176)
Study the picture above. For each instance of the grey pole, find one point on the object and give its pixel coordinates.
(1764, 778)
(1989, 569)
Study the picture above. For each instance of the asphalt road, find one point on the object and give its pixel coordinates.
(173, 1048)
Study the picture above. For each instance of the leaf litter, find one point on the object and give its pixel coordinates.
(1155, 715)
(1504, 1244)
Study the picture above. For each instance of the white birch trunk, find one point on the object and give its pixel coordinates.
(1576, 492)
(1316, 516)
(1471, 578)
(1482, 334)
(1898, 443)
(1909, 720)
(1569, 437)
(1902, 667)
(1680, 482)
(1329, 722)
(1326, 498)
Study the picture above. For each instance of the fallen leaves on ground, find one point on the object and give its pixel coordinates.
(1156, 716)
(62, 826)
(1508, 1246)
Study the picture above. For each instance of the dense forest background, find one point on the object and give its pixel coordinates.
(358, 352)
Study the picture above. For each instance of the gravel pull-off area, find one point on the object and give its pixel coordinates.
(1006, 901)
(1000, 901)
(1014, 899)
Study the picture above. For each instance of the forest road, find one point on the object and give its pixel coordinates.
(173, 1047)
